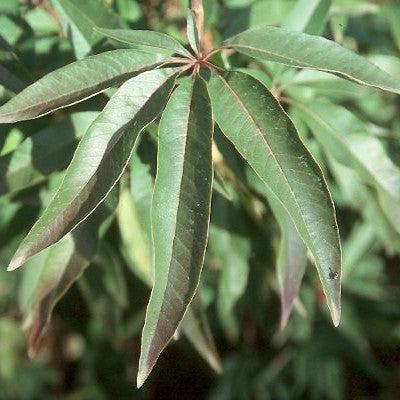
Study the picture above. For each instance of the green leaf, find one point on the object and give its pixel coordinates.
(135, 227)
(292, 253)
(41, 22)
(391, 206)
(196, 328)
(360, 197)
(43, 153)
(347, 139)
(129, 10)
(221, 186)
(392, 14)
(112, 275)
(253, 120)
(361, 243)
(159, 42)
(76, 82)
(79, 18)
(301, 50)
(10, 81)
(308, 16)
(325, 84)
(60, 266)
(136, 245)
(108, 145)
(230, 245)
(180, 215)
(267, 12)
(191, 32)
(11, 141)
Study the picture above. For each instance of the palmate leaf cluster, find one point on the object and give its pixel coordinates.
(227, 139)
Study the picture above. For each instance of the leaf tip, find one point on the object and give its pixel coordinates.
(15, 263)
(284, 319)
(335, 309)
(334, 296)
(335, 312)
(216, 365)
(143, 374)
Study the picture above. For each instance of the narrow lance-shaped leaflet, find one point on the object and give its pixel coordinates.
(135, 227)
(180, 215)
(253, 120)
(100, 159)
(76, 82)
(61, 265)
(78, 18)
(314, 52)
(291, 259)
(156, 41)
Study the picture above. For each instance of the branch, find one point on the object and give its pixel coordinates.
(197, 7)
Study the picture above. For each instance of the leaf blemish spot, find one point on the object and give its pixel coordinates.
(333, 275)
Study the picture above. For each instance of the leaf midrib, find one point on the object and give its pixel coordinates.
(177, 210)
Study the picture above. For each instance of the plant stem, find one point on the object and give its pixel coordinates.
(197, 7)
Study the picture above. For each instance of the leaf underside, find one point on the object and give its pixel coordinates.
(155, 41)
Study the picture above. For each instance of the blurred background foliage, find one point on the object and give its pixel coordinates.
(91, 349)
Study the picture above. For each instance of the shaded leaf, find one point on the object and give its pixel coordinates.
(308, 16)
(76, 82)
(347, 139)
(221, 186)
(360, 197)
(135, 227)
(40, 155)
(112, 275)
(230, 245)
(196, 328)
(79, 18)
(136, 245)
(10, 81)
(156, 41)
(253, 120)
(60, 266)
(292, 253)
(297, 49)
(391, 207)
(325, 84)
(108, 145)
(180, 215)
(392, 13)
